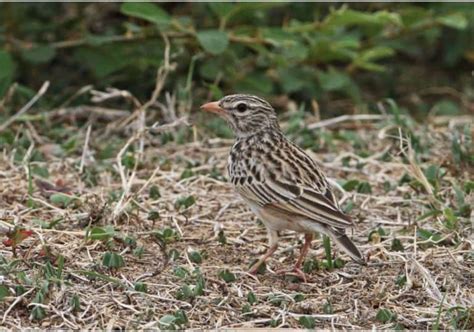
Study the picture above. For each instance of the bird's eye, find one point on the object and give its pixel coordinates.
(241, 107)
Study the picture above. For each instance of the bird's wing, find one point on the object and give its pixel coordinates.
(293, 185)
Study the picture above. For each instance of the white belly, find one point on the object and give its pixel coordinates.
(279, 222)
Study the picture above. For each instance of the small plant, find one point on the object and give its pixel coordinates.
(62, 200)
(181, 272)
(75, 303)
(401, 280)
(251, 298)
(327, 308)
(15, 237)
(187, 173)
(174, 322)
(113, 260)
(154, 192)
(167, 235)
(310, 265)
(190, 291)
(277, 300)
(221, 237)
(298, 297)
(195, 256)
(385, 316)
(397, 245)
(4, 292)
(307, 322)
(227, 276)
(327, 250)
(185, 202)
(103, 234)
(140, 287)
(139, 251)
(38, 312)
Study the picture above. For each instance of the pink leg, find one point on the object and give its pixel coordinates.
(273, 242)
(304, 250)
(296, 271)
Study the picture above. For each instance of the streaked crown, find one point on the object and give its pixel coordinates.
(247, 114)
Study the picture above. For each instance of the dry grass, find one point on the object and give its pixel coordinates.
(439, 277)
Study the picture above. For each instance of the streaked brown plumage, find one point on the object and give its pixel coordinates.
(282, 185)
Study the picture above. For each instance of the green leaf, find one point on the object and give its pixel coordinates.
(185, 202)
(101, 233)
(6, 73)
(166, 321)
(180, 272)
(187, 173)
(451, 219)
(365, 59)
(278, 37)
(298, 297)
(256, 82)
(310, 265)
(40, 171)
(251, 298)
(246, 308)
(350, 185)
(213, 41)
(428, 235)
(469, 187)
(401, 280)
(153, 215)
(4, 292)
(200, 284)
(292, 79)
(113, 260)
(62, 200)
(307, 322)
(446, 107)
(38, 313)
(75, 303)
(333, 79)
(167, 235)
(456, 21)
(140, 287)
(385, 315)
(221, 237)
(147, 11)
(397, 245)
(39, 54)
(364, 188)
(154, 192)
(327, 251)
(345, 16)
(227, 276)
(327, 308)
(181, 317)
(221, 9)
(195, 257)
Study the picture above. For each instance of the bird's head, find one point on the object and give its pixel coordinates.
(245, 114)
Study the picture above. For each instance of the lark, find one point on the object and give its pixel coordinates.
(279, 181)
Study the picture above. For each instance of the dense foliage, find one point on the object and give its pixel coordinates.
(354, 53)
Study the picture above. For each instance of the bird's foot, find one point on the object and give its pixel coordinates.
(255, 268)
(296, 271)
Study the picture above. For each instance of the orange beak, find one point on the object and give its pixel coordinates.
(213, 107)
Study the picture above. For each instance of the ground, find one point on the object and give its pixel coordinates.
(187, 240)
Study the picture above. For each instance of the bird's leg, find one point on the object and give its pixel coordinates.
(273, 245)
(303, 252)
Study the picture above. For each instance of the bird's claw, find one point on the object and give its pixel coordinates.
(297, 272)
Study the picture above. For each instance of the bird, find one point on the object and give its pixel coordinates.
(283, 186)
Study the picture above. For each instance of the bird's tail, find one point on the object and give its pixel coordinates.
(338, 235)
(347, 245)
